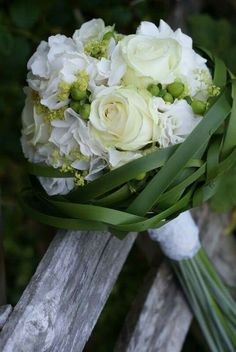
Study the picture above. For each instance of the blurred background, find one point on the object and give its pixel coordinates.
(23, 24)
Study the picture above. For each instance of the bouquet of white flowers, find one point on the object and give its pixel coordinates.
(125, 132)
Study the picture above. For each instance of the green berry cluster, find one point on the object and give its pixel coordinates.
(80, 102)
(168, 94)
(175, 90)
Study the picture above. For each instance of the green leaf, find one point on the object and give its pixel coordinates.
(24, 13)
(225, 196)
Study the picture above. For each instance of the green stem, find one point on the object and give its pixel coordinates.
(210, 301)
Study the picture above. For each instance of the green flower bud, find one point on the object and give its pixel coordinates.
(175, 89)
(108, 35)
(78, 94)
(75, 105)
(199, 107)
(85, 111)
(141, 176)
(168, 98)
(153, 89)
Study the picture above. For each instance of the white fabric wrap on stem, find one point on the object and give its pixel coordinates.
(179, 239)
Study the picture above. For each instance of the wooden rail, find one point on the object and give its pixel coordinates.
(72, 283)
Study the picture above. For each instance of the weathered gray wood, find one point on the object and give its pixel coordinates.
(63, 301)
(160, 317)
(157, 322)
(5, 311)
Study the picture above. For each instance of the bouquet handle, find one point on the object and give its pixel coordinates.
(210, 301)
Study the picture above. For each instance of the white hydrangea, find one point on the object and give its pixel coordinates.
(54, 186)
(173, 122)
(35, 132)
(93, 30)
(109, 69)
(54, 62)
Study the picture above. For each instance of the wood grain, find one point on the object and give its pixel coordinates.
(64, 299)
(5, 311)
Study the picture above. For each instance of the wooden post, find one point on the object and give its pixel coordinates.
(66, 295)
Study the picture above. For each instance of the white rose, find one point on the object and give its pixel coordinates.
(150, 58)
(120, 118)
(191, 69)
(173, 122)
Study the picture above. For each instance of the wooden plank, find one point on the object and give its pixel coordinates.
(157, 320)
(160, 317)
(5, 311)
(64, 299)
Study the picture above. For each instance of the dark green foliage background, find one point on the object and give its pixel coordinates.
(23, 24)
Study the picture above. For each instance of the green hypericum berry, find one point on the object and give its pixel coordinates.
(175, 89)
(199, 107)
(75, 105)
(168, 98)
(108, 35)
(85, 111)
(153, 89)
(141, 176)
(78, 94)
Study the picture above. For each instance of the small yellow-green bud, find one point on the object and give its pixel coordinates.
(199, 107)
(168, 98)
(153, 89)
(108, 35)
(75, 105)
(141, 176)
(79, 179)
(85, 111)
(175, 89)
(78, 94)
